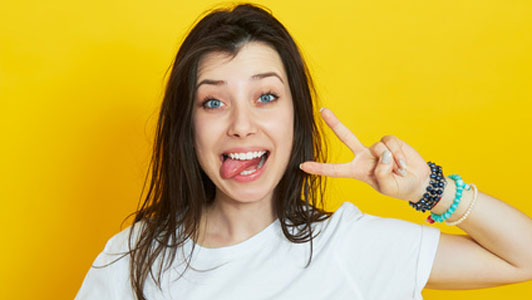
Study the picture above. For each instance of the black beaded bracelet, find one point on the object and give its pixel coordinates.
(434, 190)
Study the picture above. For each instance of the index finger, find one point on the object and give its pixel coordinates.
(342, 132)
(327, 169)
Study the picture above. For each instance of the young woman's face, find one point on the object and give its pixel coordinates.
(243, 120)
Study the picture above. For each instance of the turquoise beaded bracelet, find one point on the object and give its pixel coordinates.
(460, 185)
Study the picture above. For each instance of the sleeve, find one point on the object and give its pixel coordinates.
(388, 258)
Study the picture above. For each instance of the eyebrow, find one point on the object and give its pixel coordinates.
(254, 77)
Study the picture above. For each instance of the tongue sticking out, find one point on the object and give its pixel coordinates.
(232, 167)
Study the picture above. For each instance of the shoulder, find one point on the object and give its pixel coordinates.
(348, 211)
(120, 244)
(335, 226)
(365, 231)
(351, 215)
(108, 277)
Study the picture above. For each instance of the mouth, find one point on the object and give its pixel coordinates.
(226, 156)
(243, 167)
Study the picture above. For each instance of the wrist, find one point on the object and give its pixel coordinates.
(447, 197)
(430, 189)
(447, 200)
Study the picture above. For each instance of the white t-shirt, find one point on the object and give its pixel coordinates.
(356, 256)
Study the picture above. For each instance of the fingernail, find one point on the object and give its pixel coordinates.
(402, 164)
(300, 166)
(386, 157)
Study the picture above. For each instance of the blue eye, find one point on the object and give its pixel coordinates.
(212, 103)
(267, 98)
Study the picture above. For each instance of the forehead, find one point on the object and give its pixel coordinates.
(252, 58)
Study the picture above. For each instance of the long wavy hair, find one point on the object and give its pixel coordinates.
(170, 212)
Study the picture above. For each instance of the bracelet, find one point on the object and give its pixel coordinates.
(434, 190)
(469, 209)
(460, 184)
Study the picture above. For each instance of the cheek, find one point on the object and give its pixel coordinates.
(202, 124)
(288, 128)
(201, 139)
(207, 133)
(288, 123)
(282, 125)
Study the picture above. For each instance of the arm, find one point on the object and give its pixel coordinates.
(498, 247)
(496, 251)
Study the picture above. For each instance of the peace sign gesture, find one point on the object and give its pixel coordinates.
(390, 166)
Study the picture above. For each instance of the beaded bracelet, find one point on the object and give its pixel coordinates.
(460, 184)
(469, 209)
(434, 190)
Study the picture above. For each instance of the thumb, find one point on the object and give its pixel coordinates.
(383, 172)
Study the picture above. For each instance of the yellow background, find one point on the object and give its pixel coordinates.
(80, 83)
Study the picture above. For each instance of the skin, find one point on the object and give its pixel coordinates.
(492, 253)
(243, 114)
(497, 247)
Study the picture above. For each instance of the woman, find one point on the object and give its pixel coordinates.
(235, 158)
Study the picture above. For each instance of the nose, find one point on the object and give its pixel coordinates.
(242, 122)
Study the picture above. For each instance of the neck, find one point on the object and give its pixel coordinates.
(227, 222)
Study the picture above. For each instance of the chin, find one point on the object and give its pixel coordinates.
(246, 195)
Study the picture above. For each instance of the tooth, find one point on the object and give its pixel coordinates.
(246, 156)
(261, 163)
(247, 172)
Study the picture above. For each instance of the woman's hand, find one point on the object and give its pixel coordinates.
(402, 173)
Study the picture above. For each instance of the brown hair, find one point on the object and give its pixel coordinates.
(171, 210)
